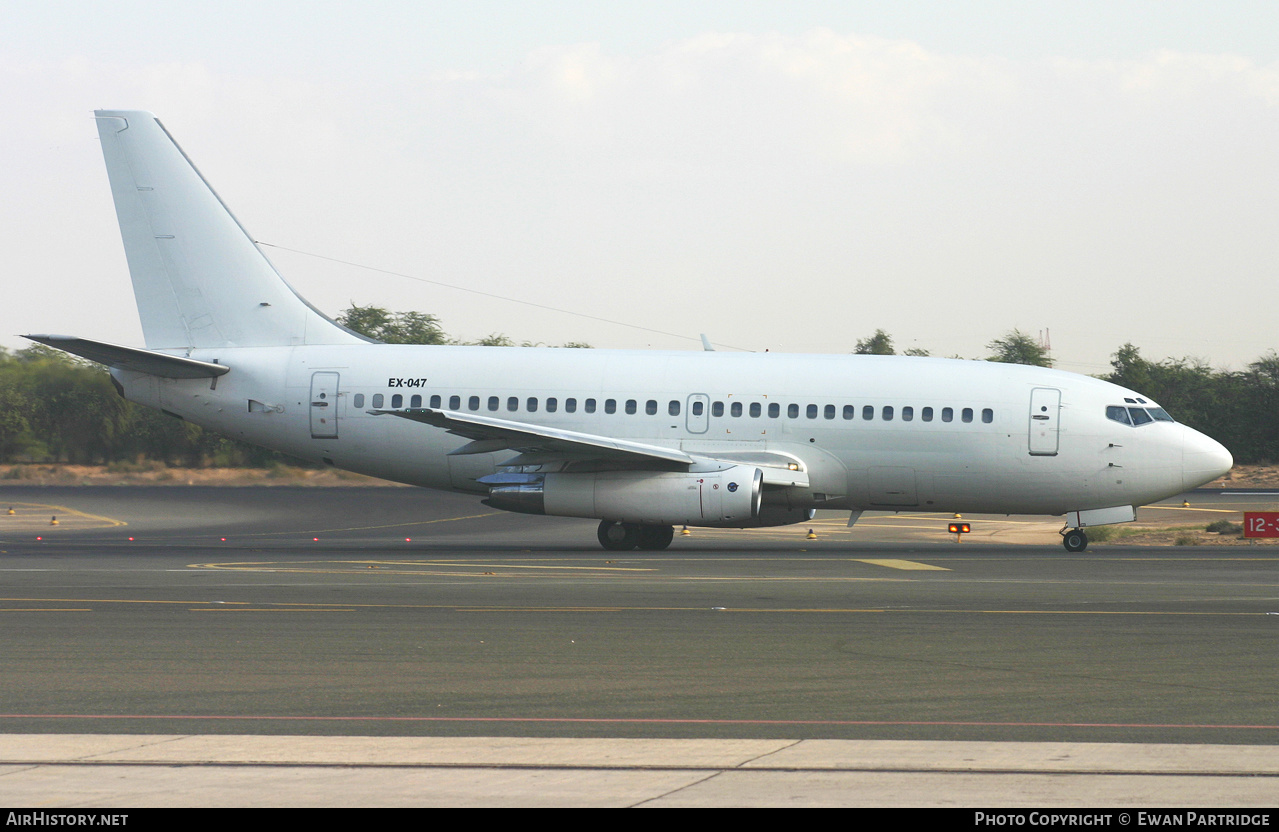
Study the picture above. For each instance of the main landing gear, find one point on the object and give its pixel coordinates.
(620, 537)
(1075, 540)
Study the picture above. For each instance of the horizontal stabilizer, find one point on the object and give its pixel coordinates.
(491, 434)
(131, 358)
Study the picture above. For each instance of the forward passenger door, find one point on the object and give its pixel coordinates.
(1045, 418)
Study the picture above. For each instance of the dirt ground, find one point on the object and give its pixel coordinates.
(1249, 476)
(152, 473)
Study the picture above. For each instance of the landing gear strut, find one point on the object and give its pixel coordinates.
(1075, 540)
(620, 537)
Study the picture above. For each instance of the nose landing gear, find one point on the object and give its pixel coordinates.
(1075, 540)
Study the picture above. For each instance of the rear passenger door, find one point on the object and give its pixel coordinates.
(324, 405)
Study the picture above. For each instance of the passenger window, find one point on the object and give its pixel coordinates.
(792, 411)
(811, 411)
(590, 405)
(610, 405)
(698, 408)
(947, 414)
(717, 409)
(968, 414)
(397, 401)
(473, 403)
(887, 413)
(849, 411)
(493, 403)
(650, 407)
(829, 411)
(987, 415)
(531, 404)
(359, 400)
(757, 410)
(926, 414)
(377, 400)
(774, 410)
(868, 412)
(435, 402)
(455, 402)
(415, 402)
(630, 406)
(513, 404)
(552, 405)
(673, 408)
(570, 405)
(908, 413)
(736, 409)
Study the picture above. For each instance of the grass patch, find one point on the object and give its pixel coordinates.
(1102, 534)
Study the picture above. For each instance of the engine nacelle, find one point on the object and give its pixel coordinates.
(729, 498)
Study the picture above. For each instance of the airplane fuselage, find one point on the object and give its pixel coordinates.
(870, 432)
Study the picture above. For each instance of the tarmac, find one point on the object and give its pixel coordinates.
(187, 647)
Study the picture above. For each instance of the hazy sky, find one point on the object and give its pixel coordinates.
(777, 175)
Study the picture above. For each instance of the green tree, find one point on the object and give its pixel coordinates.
(1016, 347)
(393, 327)
(493, 339)
(71, 410)
(419, 328)
(15, 409)
(1130, 369)
(881, 343)
(1255, 413)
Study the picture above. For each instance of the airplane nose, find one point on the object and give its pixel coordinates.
(1203, 459)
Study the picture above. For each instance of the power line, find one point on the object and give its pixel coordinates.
(490, 294)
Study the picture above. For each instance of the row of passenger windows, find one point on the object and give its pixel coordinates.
(755, 410)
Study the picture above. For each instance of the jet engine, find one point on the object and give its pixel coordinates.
(730, 497)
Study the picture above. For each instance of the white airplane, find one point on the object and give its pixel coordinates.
(642, 441)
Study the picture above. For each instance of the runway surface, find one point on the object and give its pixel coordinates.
(402, 612)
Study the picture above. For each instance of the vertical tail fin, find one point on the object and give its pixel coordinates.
(198, 278)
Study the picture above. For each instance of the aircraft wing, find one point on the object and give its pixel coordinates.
(488, 434)
(130, 358)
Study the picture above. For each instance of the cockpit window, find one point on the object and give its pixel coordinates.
(1137, 416)
(1118, 414)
